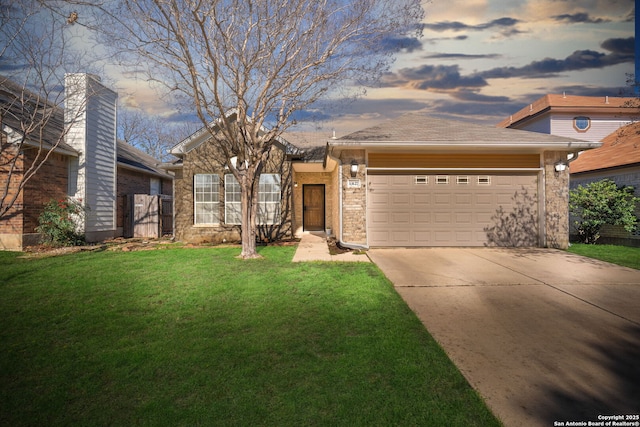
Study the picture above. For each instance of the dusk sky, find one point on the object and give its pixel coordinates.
(481, 60)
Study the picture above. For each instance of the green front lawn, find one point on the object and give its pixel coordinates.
(621, 255)
(196, 337)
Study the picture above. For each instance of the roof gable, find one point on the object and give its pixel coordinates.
(621, 148)
(202, 135)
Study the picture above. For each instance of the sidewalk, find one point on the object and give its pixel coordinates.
(313, 247)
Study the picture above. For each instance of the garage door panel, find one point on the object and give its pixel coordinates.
(442, 218)
(421, 218)
(442, 199)
(401, 199)
(409, 212)
(401, 218)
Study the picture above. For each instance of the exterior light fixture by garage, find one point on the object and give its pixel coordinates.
(560, 166)
(354, 169)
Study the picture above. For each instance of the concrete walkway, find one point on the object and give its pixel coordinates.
(313, 247)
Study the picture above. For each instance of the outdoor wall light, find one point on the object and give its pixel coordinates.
(354, 169)
(560, 166)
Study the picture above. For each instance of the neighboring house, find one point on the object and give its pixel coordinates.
(605, 119)
(411, 181)
(618, 160)
(590, 118)
(89, 165)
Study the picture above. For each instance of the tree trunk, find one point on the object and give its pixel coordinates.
(249, 200)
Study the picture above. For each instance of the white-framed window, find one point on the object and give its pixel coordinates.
(206, 199)
(232, 206)
(269, 199)
(442, 179)
(422, 180)
(462, 180)
(484, 180)
(269, 194)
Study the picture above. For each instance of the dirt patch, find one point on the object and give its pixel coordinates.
(121, 244)
(335, 248)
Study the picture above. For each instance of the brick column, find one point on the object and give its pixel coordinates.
(556, 205)
(354, 200)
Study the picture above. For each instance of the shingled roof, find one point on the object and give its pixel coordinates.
(20, 108)
(133, 158)
(421, 129)
(621, 148)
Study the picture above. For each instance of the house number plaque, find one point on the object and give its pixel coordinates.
(353, 183)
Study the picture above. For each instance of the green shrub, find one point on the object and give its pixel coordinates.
(57, 224)
(599, 203)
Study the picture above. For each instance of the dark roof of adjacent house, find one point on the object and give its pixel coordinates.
(620, 148)
(569, 103)
(421, 129)
(22, 109)
(133, 158)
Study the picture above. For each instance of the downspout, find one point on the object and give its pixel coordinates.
(329, 151)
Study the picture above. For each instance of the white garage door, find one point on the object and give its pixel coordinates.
(452, 210)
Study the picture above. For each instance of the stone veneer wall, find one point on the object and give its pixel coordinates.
(354, 200)
(205, 159)
(556, 202)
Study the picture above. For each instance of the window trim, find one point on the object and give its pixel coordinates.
(484, 180)
(230, 180)
(276, 201)
(215, 204)
(442, 180)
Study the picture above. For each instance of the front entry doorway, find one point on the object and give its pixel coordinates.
(313, 207)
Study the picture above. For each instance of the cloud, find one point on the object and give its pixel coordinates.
(582, 90)
(437, 39)
(425, 77)
(501, 23)
(404, 44)
(461, 56)
(475, 96)
(578, 60)
(621, 46)
(579, 18)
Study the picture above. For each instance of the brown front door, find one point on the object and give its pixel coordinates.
(313, 207)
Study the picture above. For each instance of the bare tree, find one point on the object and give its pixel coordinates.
(262, 59)
(34, 49)
(151, 134)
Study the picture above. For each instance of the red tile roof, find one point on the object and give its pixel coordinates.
(572, 103)
(620, 148)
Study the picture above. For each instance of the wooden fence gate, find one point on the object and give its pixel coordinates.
(149, 216)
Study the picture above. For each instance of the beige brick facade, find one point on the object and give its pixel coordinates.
(301, 179)
(204, 159)
(354, 200)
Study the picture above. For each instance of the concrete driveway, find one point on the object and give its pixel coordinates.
(544, 336)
